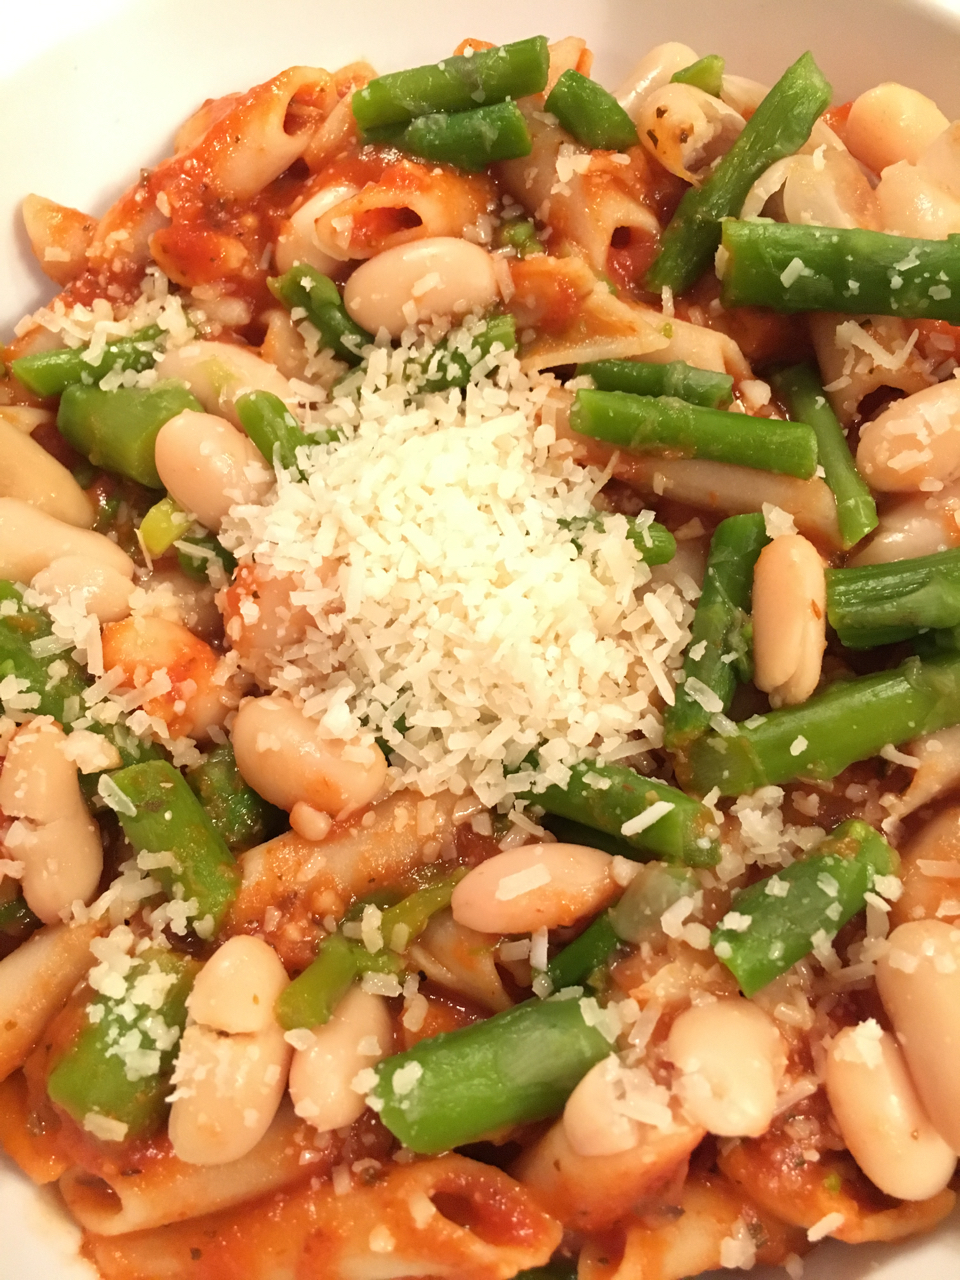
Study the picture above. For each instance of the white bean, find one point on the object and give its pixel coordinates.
(653, 70)
(437, 276)
(237, 988)
(916, 526)
(912, 203)
(915, 439)
(30, 540)
(789, 619)
(54, 836)
(881, 1118)
(594, 1123)
(228, 1091)
(732, 1059)
(281, 754)
(218, 372)
(208, 466)
(35, 476)
(297, 241)
(106, 592)
(535, 886)
(919, 983)
(891, 122)
(321, 1076)
(687, 129)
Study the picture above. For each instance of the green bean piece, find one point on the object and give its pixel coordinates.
(883, 603)
(676, 378)
(49, 373)
(196, 556)
(312, 998)
(163, 524)
(720, 652)
(519, 234)
(118, 429)
(163, 816)
(468, 139)
(800, 390)
(666, 426)
(655, 544)
(653, 890)
(456, 84)
(118, 1066)
(780, 125)
(409, 917)
(594, 116)
(274, 430)
(573, 966)
(614, 795)
(521, 1066)
(569, 832)
(852, 720)
(777, 921)
(705, 74)
(805, 268)
(451, 362)
(306, 288)
(241, 817)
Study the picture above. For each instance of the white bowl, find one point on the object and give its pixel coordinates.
(92, 91)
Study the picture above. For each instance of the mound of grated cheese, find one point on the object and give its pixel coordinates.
(445, 589)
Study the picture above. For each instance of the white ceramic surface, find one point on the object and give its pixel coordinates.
(90, 90)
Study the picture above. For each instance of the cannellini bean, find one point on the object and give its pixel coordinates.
(297, 241)
(880, 1116)
(913, 203)
(594, 1122)
(54, 836)
(916, 526)
(914, 440)
(930, 864)
(653, 70)
(919, 983)
(789, 619)
(208, 466)
(937, 772)
(535, 886)
(321, 1076)
(218, 372)
(438, 276)
(732, 1059)
(687, 129)
(891, 123)
(30, 540)
(281, 754)
(35, 476)
(237, 988)
(228, 1091)
(105, 591)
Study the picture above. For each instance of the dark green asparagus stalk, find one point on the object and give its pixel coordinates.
(706, 74)
(118, 429)
(696, 386)
(680, 832)
(406, 920)
(521, 1065)
(452, 361)
(239, 815)
(779, 126)
(576, 962)
(100, 1073)
(594, 116)
(519, 234)
(274, 430)
(801, 392)
(304, 287)
(779, 920)
(655, 544)
(196, 565)
(456, 84)
(468, 139)
(160, 814)
(666, 426)
(49, 373)
(883, 603)
(569, 832)
(312, 998)
(803, 268)
(852, 720)
(719, 655)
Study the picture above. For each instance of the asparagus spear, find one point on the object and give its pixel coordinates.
(656, 544)
(882, 603)
(852, 720)
(49, 373)
(777, 921)
(719, 635)
(676, 378)
(456, 84)
(468, 139)
(241, 817)
(705, 74)
(305, 287)
(594, 116)
(452, 361)
(671, 427)
(800, 389)
(779, 126)
(312, 998)
(803, 268)
(521, 1065)
(575, 963)
(569, 832)
(406, 920)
